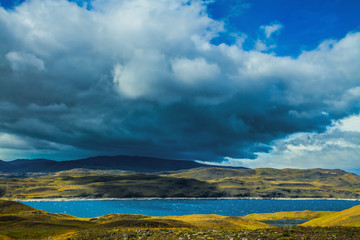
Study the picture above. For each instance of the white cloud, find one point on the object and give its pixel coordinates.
(21, 61)
(10, 141)
(350, 124)
(14, 147)
(261, 46)
(337, 147)
(191, 71)
(143, 77)
(271, 29)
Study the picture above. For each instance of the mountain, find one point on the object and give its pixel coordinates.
(121, 162)
(2, 164)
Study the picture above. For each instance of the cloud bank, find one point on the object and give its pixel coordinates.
(142, 77)
(337, 147)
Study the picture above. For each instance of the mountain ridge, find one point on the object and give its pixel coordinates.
(119, 162)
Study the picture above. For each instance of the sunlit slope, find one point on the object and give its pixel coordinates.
(205, 221)
(268, 182)
(203, 182)
(295, 215)
(217, 221)
(349, 217)
(10, 207)
(105, 185)
(18, 221)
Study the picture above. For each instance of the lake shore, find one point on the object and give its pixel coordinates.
(156, 198)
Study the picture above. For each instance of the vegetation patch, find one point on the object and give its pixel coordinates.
(349, 217)
(18, 221)
(295, 215)
(203, 182)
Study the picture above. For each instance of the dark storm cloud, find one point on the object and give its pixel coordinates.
(142, 78)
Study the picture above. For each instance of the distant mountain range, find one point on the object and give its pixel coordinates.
(127, 163)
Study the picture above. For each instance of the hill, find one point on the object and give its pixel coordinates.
(295, 215)
(22, 222)
(11, 207)
(18, 221)
(279, 183)
(127, 163)
(349, 217)
(203, 182)
(95, 184)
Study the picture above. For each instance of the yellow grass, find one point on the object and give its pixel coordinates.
(349, 217)
(295, 215)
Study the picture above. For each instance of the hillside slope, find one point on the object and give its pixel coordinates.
(90, 184)
(295, 215)
(203, 182)
(279, 183)
(11, 207)
(18, 221)
(349, 217)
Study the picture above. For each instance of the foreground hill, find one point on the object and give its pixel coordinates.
(201, 182)
(18, 221)
(349, 217)
(295, 215)
(127, 163)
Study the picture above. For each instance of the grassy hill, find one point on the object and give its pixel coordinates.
(18, 221)
(295, 215)
(98, 185)
(268, 182)
(200, 182)
(349, 217)
(10, 207)
(214, 221)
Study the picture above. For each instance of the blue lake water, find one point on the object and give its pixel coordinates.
(167, 207)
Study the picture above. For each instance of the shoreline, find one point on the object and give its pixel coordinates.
(175, 198)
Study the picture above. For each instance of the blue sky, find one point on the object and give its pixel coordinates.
(253, 83)
(306, 23)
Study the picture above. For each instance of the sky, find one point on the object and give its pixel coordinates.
(246, 83)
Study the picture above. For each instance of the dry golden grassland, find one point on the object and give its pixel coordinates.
(349, 217)
(279, 183)
(19, 221)
(208, 182)
(295, 215)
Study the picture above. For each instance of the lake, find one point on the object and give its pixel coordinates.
(167, 207)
